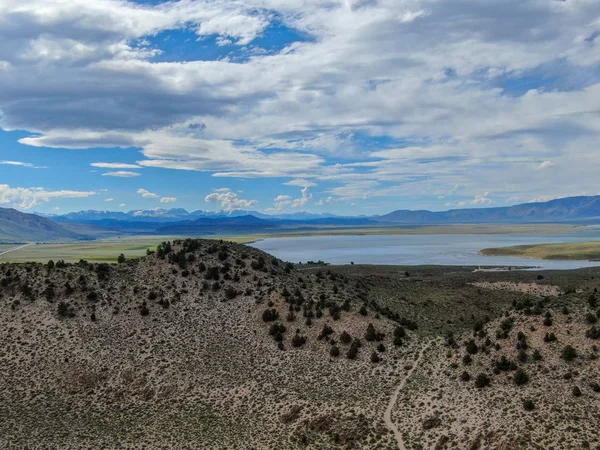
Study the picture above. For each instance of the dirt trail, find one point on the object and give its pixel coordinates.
(14, 249)
(387, 417)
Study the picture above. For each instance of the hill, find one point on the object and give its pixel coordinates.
(571, 209)
(218, 345)
(16, 226)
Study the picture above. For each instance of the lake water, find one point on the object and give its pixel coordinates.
(432, 249)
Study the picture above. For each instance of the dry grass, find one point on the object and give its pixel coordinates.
(570, 251)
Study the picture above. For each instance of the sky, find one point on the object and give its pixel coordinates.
(352, 107)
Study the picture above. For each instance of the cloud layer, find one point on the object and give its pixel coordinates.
(379, 99)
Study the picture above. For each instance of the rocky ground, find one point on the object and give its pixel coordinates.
(207, 344)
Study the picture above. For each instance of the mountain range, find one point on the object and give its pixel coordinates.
(16, 226)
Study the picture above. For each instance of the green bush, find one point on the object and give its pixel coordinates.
(528, 405)
(482, 381)
(569, 353)
(521, 377)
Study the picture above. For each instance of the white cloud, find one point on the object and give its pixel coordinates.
(27, 198)
(109, 200)
(115, 165)
(326, 201)
(147, 194)
(301, 183)
(545, 165)
(229, 200)
(21, 164)
(282, 202)
(122, 205)
(168, 200)
(121, 174)
(481, 200)
(301, 109)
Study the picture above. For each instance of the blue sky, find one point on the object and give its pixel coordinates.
(347, 107)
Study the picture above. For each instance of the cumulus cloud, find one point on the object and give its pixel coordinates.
(109, 200)
(168, 200)
(326, 201)
(147, 194)
(229, 200)
(282, 202)
(121, 174)
(27, 198)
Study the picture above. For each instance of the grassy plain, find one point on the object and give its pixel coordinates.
(573, 250)
(107, 250)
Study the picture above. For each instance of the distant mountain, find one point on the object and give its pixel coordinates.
(178, 221)
(16, 226)
(570, 209)
(173, 215)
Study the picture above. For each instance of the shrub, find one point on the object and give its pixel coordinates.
(576, 391)
(363, 310)
(49, 293)
(528, 405)
(467, 359)
(593, 333)
(121, 259)
(298, 340)
(270, 315)
(591, 318)
(374, 357)
(372, 335)
(521, 377)
(345, 338)
(482, 381)
(472, 347)
(569, 353)
(230, 293)
(523, 356)
(92, 296)
(595, 387)
(381, 348)
(465, 376)
(550, 337)
(399, 332)
(334, 351)
(63, 309)
(144, 311)
(505, 364)
(352, 352)
(537, 356)
(326, 331)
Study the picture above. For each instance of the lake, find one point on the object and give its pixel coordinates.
(432, 249)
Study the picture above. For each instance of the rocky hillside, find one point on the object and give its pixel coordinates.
(206, 344)
(16, 226)
(200, 344)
